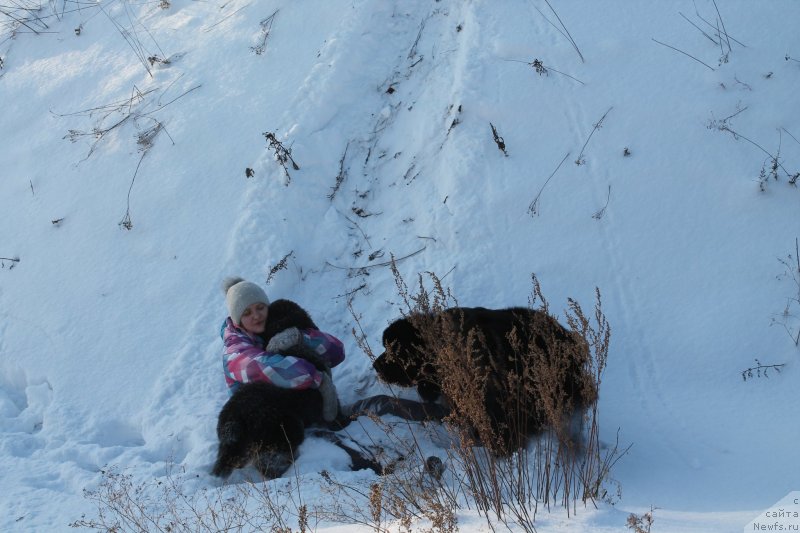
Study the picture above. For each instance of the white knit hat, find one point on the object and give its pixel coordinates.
(240, 294)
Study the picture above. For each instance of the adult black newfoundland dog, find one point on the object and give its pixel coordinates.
(507, 374)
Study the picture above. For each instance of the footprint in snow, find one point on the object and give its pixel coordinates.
(22, 404)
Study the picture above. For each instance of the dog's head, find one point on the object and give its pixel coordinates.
(406, 361)
(403, 355)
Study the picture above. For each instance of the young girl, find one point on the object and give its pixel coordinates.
(247, 357)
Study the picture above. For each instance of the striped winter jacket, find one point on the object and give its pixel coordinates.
(244, 359)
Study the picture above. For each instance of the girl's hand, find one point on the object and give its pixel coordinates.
(284, 340)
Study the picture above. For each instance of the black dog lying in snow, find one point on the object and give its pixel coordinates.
(265, 424)
(409, 360)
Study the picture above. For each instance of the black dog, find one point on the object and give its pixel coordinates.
(265, 423)
(514, 414)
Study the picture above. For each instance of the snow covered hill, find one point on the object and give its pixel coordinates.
(649, 149)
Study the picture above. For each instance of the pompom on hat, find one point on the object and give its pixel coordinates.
(240, 294)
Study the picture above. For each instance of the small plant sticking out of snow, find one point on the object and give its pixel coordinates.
(539, 67)
(772, 168)
(340, 177)
(533, 207)
(499, 141)
(789, 318)
(266, 28)
(146, 137)
(760, 370)
(601, 212)
(562, 30)
(126, 221)
(641, 523)
(145, 142)
(12, 260)
(580, 160)
(456, 121)
(281, 265)
(156, 59)
(283, 155)
(544, 70)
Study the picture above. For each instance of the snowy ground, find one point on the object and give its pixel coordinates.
(109, 332)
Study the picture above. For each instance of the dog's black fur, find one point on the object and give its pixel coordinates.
(285, 314)
(265, 423)
(408, 361)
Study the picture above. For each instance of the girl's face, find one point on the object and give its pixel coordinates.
(254, 318)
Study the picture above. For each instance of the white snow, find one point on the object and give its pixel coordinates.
(109, 337)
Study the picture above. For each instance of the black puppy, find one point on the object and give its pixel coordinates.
(285, 314)
(514, 415)
(264, 424)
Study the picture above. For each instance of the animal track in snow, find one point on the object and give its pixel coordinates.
(22, 404)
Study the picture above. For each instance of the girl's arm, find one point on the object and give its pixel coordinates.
(328, 347)
(244, 362)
